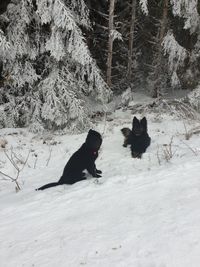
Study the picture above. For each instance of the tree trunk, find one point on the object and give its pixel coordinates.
(110, 42)
(131, 37)
(163, 27)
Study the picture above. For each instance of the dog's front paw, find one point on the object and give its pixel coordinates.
(136, 155)
(97, 176)
(98, 171)
(83, 175)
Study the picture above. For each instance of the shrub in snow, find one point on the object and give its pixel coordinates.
(194, 98)
(3, 142)
(127, 96)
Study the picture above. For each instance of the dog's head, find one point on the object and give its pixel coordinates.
(126, 132)
(93, 140)
(139, 126)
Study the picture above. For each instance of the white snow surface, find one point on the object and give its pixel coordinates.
(141, 213)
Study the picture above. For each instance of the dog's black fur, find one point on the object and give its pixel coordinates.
(138, 137)
(82, 159)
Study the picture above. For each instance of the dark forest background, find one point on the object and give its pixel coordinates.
(152, 46)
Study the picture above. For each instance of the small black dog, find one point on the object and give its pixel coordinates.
(138, 137)
(82, 159)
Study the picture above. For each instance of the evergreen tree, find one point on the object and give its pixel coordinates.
(148, 29)
(186, 32)
(52, 76)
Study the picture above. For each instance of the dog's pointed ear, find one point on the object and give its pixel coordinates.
(144, 122)
(135, 120)
(90, 132)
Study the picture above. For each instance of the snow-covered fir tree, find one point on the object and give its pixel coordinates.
(175, 46)
(50, 75)
(183, 56)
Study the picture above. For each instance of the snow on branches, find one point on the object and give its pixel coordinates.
(176, 56)
(4, 45)
(144, 4)
(52, 71)
(188, 10)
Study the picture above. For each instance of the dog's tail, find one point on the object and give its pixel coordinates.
(125, 132)
(48, 186)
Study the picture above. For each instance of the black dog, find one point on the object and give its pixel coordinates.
(82, 159)
(138, 137)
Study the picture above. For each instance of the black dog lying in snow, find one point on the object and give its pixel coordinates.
(82, 159)
(138, 137)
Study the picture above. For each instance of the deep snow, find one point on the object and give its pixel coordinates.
(141, 213)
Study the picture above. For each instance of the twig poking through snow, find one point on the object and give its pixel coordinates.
(50, 150)
(189, 134)
(36, 159)
(13, 162)
(194, 151)
(167, 150)
(158, 157)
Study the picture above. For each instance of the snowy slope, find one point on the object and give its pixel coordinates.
(141, 213)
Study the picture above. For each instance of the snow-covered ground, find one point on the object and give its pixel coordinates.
(141, 213)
